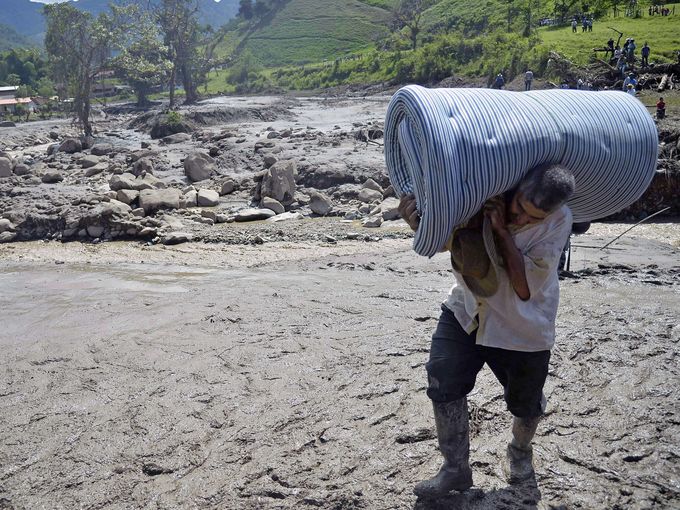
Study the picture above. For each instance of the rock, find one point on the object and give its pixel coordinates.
(143, 153)
(371, 184)
(389, 192)
(142, 167)
(153, 199)
(95, 231)
(7, 237)
(129, 181)
(198, 166)
(22, 169)
(6, 225)
(389, 209)
(209, 214)
(127, 196)
(269, 160)
(273, 134)
(319, 203)
(101, 149)
(97, 169)
(207, 198)
(139, 212)
(369, 195)
(54, 135)
(71, 146)
(228, 187)
(278, 182)
(274, 205)
(176, 138)
(7, 123)
(176, 238)
(190, 198)
(372, 221)
(88, 161)
(52, 177)
(253, 214)
(286, 216)
(5, 167)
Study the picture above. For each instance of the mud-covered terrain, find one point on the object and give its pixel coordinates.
(291, 375)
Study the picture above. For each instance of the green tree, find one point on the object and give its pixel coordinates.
(79, 46)
(407, 15)
(13, 80)
(143, 63)
(245, 9)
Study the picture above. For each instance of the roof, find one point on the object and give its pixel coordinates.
(18, 100)
(9, 89)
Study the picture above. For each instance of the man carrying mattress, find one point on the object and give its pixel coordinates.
(501, 312)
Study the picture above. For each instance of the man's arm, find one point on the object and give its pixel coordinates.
(513, 258)
(408, 210)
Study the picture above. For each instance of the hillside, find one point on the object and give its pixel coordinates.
(313, 30)
(9, 38)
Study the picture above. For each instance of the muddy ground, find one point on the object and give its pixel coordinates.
(291, 375)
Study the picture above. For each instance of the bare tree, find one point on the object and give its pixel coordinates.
(407, 15)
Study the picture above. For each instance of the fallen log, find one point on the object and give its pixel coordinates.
(664, 82)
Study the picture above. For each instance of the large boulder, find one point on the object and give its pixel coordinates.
(153, 199)
(129, 181)
(198, 166)
(71, 146)
(89, 161)
(390, 209)
(278, 182)
(22, 169)
(274, 205)
(127, 196)
(176, 138)
(228, 187)
(52, 177)
(142, 167)
(371, 184)
(101, 149)
(5, 167)
(254, 214)
(207, 198)
(319, 203)
(368, 195)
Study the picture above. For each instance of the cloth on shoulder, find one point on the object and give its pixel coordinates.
(456, 148)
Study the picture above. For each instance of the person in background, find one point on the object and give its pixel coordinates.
(573, 25)
(630, 80)
(631, 90)
(660, 109)
(499, 81)
(645, 55)
(528, 78)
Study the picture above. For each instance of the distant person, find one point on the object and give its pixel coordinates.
(584, 24)
(590, 24)
(630, 80)
(573, 25)
(579, 84)
(528, 78)
(645, 55)
(631, 90)
(499, 82)
(610, 48)
(660, 109)
(631, 50)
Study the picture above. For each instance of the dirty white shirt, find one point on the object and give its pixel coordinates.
(505, 321)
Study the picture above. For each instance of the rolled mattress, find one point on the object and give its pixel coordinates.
(456, 148)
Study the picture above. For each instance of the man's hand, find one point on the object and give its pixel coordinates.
(408, 211)
(494, 209)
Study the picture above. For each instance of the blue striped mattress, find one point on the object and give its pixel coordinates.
(456, 148)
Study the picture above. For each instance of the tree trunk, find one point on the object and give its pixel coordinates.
(191, 95)
(173, 77)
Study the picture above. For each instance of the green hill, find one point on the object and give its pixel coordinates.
(9, 38)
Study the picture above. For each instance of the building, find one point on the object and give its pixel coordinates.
(9, 105)
(8, 92)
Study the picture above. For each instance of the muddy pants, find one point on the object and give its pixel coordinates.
(455, 361)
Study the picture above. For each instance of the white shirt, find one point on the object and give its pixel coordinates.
(505, 321)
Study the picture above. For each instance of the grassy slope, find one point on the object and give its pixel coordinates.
(661, 33)
(313, 30)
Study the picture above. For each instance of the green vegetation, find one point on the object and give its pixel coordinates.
(10, 38)
(27, 69)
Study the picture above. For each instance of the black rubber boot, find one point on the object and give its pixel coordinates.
(453, 432)
(520, 453)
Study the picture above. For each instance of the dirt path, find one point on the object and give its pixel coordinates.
(292, 376)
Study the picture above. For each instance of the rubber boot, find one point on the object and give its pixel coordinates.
(520, 453)
(453, 433)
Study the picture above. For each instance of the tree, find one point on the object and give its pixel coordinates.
(245, 9)
(79, 46)
(143, 63)
(260, 8)
(407, 14)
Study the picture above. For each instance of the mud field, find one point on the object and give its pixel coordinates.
(178, 357)
(291, 375)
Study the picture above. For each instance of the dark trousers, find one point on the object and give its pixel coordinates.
(455, 361)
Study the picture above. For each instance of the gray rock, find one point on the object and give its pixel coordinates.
(52, 177)
(278, 182)
(129, 181)
(254, 214)
(101, 149)
(274, 205)
(139, 212)
(143, 153)
(97, 169)
(319, 203)
(198, 166)
(176, 238)
(7, 237)
(209, 214)
(273, 134)
(71, 146)
(153, 199)
(6, 225)
(269, 160)
(207, 198)
(7, 123)
(369, 195)
(228, 187)
(176, 138)
(5, 167)
(88, 161)
(127, 196)
(22, 169)
(389, 209)
(286, 216)
(190, 198)
(95, 231)
(142, 166)
(371, 184)
(372, 221)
